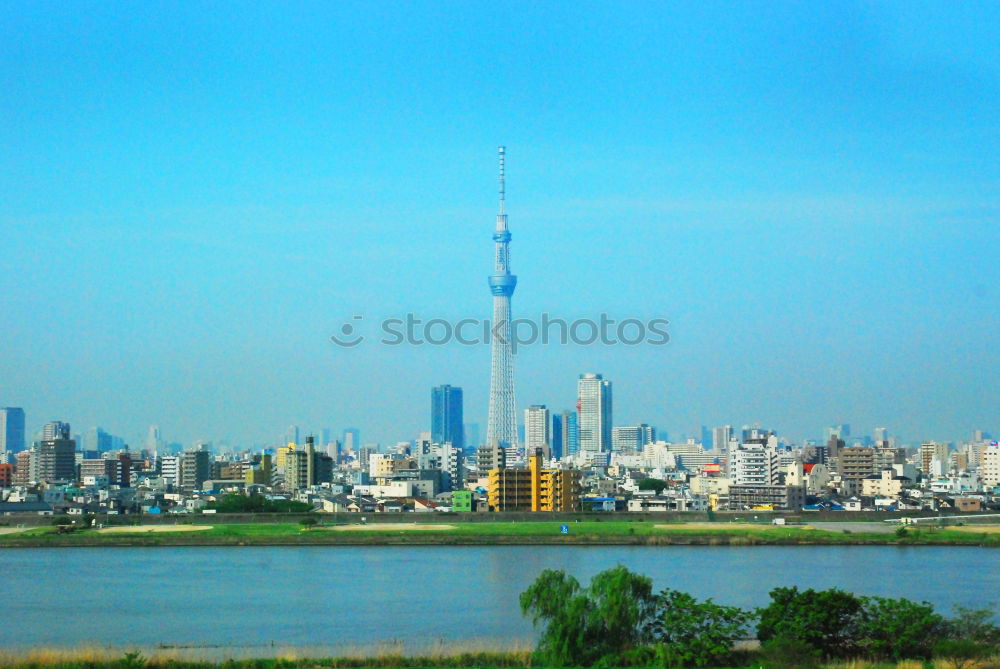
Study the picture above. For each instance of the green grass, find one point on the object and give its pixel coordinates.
(494, 532)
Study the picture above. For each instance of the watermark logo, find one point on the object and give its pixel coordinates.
(349, 337)
(413, 331)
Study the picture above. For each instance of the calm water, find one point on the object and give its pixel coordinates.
(359, 596)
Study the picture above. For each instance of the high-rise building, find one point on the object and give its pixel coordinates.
(754, 464)
(594, 408)
(556, 436)
(154, 441)
(721, 437)
(880, 434)
(631, 438)
(489, 458)
(55, 430)
(989, 465)
(842, 431)
(930, 451)
(22, 467)
(193, 469)
(856, 463)
(333, 450)
(472, 437)
(501, 430)
(537, 430)
(447, 426)
(292, 434)
(96, 440)
(350, 440)
(261, 473)
(55, 459)
(308, 467)
(170, 466)
(11, 429)
(565, 434)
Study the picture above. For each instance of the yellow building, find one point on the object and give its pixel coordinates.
(260, 473)
(534, 488)
(282, 454)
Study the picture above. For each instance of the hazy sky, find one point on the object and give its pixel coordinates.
(195, 196)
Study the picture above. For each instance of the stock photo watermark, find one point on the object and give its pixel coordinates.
(413, 331)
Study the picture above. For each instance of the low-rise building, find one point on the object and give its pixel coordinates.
(884, 484)
(791, 497)
(461, 501)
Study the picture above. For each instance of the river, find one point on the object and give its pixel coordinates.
(332, 598)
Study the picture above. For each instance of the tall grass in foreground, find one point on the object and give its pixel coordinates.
(388, 654)
(391, 656)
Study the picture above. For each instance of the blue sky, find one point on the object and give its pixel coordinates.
(194, 197)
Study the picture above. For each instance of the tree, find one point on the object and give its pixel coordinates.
(969, 636)
(974, 625)
(584, 625)
(653, 484)
(961, 652)
(689, 632)
(827, 620)
(898, 628)
(308, 522)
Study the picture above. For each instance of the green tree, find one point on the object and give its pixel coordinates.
(308, 522)
(827, 620)
(898, 628)
(585, 625)
(653, 484)
(688, 632)
(974, 625)
(969, 636)
(961, 652)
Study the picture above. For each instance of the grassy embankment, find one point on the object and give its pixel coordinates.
(595, 532)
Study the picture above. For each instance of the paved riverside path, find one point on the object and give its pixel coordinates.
(874, 526)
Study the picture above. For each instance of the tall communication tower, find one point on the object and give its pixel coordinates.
(502, 429)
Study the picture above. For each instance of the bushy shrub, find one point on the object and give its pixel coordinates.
(788, 653)
(688, 632)
(898, 628)
(826, 620)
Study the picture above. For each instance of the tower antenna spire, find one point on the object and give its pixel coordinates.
(502, 184)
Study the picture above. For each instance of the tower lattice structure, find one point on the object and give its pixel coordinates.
(502, 427)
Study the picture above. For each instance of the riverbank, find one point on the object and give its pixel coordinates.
(590, 532)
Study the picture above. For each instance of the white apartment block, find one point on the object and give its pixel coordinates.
(754, 464)
(989, 466)
(537, 429)
(170, 466)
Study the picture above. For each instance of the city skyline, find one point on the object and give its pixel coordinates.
(807, 195)
(562, 427)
